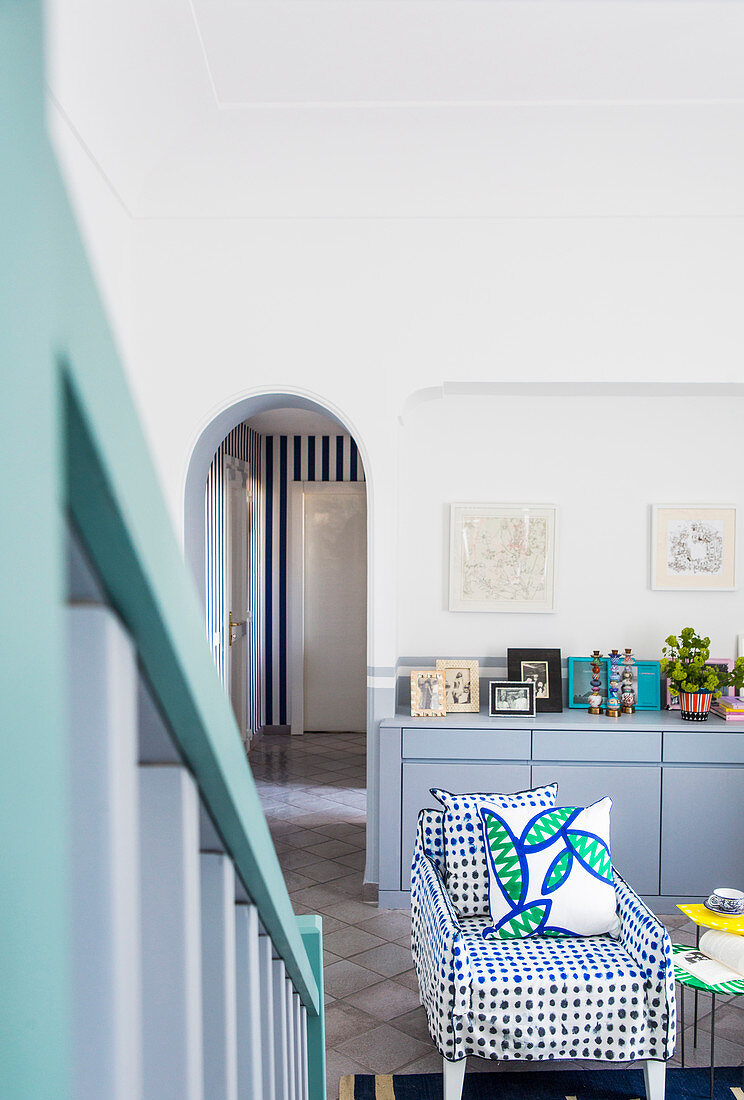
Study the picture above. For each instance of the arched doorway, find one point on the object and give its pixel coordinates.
(289, 459)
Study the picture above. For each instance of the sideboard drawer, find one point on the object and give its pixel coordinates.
(709, 747)
(614, 744)
(465, 744)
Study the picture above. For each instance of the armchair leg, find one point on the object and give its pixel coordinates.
(654, 1077)
(454, 1076)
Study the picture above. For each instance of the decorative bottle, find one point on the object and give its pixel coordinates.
(612, 710)
(595, 696)
(627, 695)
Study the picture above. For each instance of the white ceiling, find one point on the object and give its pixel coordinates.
(295, 422)
(405, 108)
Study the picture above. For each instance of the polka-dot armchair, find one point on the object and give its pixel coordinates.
(538, 998)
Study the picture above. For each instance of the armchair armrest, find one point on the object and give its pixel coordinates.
(647, 941)
(436, 941)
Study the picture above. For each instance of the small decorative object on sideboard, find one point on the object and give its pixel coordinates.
(511, 699)
(543, 668)
(612, 710)
(595, 696)
(627, 695)
(729, 707)
(685, 663)
(427, 694)
(461, 686)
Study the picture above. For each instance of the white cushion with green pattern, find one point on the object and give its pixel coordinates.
(550, 872)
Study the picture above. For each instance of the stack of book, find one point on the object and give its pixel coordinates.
(729, 707)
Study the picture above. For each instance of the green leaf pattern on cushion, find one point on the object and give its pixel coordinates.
(547, 825)
(524, 923)
(558, 871)
(506, 861)
(592, 853)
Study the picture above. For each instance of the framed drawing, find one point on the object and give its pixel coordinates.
(502, 557)
(693, 547)
(672, 698)
(427, 694)
(543, 668)
(511, 699)
(461, 686)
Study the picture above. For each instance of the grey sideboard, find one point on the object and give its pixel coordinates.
(677, 787)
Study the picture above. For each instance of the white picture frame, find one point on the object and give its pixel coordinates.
(693, 547)
(502, 557)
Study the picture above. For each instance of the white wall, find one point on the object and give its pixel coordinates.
(602, 462)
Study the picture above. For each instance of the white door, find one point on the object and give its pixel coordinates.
(335, 606)
(237, 612)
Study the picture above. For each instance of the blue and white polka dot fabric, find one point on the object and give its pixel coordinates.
(538, 998)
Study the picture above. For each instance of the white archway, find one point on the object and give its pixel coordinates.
(220, 423)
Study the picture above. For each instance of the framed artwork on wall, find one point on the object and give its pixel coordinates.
(693, 547)
(461, 686)
(427, 694)
(543, 668)
(672, 699)
(502, 557)
(511, 699)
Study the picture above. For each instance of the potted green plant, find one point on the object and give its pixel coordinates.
(684, 663)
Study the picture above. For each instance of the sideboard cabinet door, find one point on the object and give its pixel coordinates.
(701, 838)
(458, 778)
(634, 822)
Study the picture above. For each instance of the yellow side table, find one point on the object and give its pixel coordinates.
(706, 918)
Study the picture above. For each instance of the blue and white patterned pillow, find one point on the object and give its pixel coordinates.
(466, 874)
(550, 873)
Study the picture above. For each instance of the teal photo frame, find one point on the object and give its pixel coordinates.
(646, 683)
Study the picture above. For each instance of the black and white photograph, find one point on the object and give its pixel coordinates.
(511, 699)
(461, 685)
(536, 672)
(541, 667)
(427, 694)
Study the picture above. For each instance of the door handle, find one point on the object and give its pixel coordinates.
(232, 637)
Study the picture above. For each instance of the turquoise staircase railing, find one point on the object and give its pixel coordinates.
(74, 454)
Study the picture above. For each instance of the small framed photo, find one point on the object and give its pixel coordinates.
(693, 547)
(511, 699)
(543, 668)
(461, 686)
(427, 694)
(502, 557)
(672, 698)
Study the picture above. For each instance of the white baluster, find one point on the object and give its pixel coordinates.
(288, 1012)
(105, 869)
(218, 976)
(297, 1044)
(303, 1037)
(250, 1052)
(171, 934)
(281, 1068)
(266, 972)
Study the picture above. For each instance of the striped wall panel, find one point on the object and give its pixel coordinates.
(274, 461)
(290, 458)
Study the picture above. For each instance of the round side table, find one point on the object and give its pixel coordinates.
(705, 918)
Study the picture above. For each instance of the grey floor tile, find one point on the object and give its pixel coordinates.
(386, 1000)
(347, 977)
(384, 1049)
(414, 1023)
(389, 923)
(350, 941)
(388, 959)
(343, 1021)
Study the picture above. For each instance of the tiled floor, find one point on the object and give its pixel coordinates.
(313, 792)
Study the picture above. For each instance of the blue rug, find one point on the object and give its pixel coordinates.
(595, 1084)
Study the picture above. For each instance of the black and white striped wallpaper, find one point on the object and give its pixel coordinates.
(275, 461)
